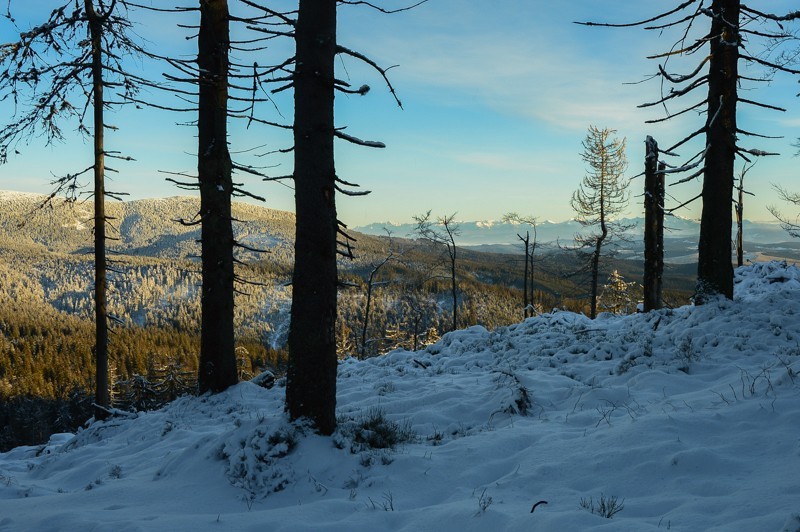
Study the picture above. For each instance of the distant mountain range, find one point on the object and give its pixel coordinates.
(483, 233)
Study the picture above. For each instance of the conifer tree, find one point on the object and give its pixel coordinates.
(720, 52)
(601, 199)
(57, 75)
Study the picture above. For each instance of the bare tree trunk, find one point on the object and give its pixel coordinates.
(102, 397)
(366, 313)
(454, 287)
(653, 228)
(311, 374)
(595, 273)
(714, 269)
(740, 223)
(217, 368)
(525, 241)
(531, 299)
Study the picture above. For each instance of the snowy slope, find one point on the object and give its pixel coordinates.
(690, 417)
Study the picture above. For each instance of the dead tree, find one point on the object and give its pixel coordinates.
(739, 210)
(442, 233)
(730, 24)
(55, 74)
(791, 226)
(214, 81)
(311, 375)
(653, 227)
(529, 304)
(371, 283)
(319, 235)
(217, 369)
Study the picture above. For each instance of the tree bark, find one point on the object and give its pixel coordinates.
(454, 284)
(595, 273)
(526, 242)
(217, 368)
(653, 228)
(311, 373)
(714, 269)
(531, 298)
(102, 395)
(740, 223)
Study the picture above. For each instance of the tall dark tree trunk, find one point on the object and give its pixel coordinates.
(454, 286)
(595, 272)
(653, 228)
(102, 395)
(217, 368)
(526, 242)
(531, 299)
(714, 269)
(311, 374)
(740, 222)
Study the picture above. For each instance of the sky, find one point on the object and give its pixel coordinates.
(687, 418)
(497, 97)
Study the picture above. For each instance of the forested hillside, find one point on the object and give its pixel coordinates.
(46, 300)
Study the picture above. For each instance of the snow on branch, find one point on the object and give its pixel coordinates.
(382, 71)
(356, 140)
(794, 15)
(676, 93)
(686, 77)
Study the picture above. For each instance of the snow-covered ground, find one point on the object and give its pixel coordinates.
(684, 419)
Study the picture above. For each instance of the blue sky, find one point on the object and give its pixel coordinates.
(497, 95)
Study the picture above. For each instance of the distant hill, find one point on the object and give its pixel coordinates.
(148, 227)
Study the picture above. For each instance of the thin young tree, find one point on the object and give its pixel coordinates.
(731, 25)
(442, 233)
(375, 268)
(56, 74)
(601, 199)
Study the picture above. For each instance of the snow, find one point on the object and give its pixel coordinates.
(690, 417)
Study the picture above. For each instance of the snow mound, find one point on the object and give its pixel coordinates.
(688, 418)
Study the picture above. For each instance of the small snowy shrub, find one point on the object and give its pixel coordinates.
(685, 354)
(606, 507)
(254, 461)
(372, 431)
(792, 524)
(437, 438)
(521, 402)
(115, 471)
(631, 359)
(385, 388)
